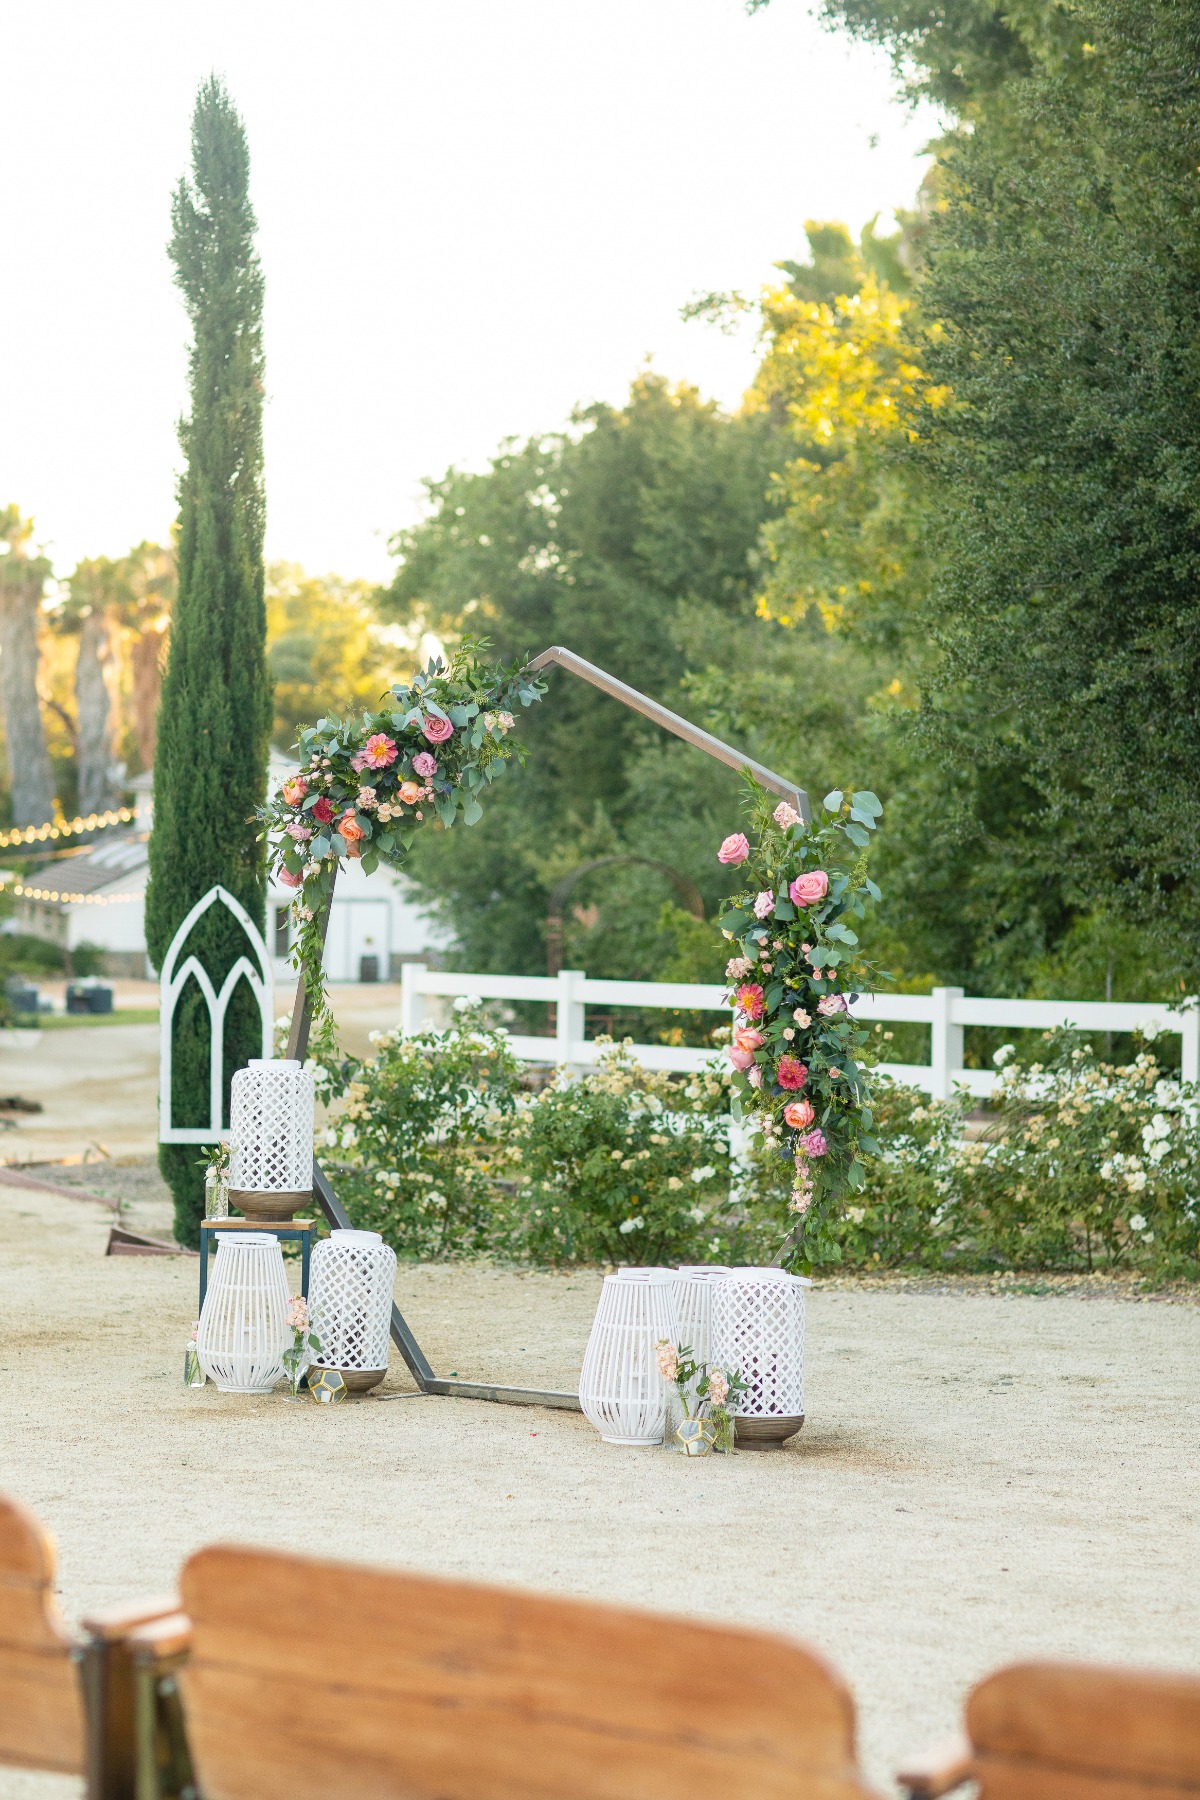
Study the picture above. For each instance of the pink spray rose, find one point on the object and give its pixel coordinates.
(791, 1073)
(735, 849)
(749, 1000)
(424, 764)
(810, 887)
(798, 1114)
(300, 832)
(764, 905)
(290, 880)
(785, 816)
(437, 730)
(294, 790)
(829, 1004)
(746, 1040)
(814, 1144)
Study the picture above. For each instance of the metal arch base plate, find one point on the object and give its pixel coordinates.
(418, 1363)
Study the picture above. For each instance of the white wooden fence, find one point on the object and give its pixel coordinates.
(946, 1011)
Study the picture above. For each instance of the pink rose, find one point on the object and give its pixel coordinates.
(785, 816)
(807, 889)
(424, 764)
(294, 790)
(798, 1114)
(437, 730)
(290, 880)
(829, 1004)
(735, 849)
(791, 1073)
(300, 832)
(764, 905)
(745, 1042)
(409, 792)
(814, 1144)
(750, 1000)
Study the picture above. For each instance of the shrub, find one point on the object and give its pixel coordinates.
(620, 1165)
(420, 1135)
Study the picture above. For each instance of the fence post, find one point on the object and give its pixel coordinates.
(411, 1001)
(946, 1051)
(568, 1022)
(1189, 1031)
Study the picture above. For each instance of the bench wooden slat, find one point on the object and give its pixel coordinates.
(41, 1710)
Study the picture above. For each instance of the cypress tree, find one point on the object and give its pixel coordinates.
(215, 712)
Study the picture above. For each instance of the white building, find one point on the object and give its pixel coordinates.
(97, 896)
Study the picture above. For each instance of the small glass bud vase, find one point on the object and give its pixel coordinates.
(216, 1194)
(686, 1432)
(193, 1374)
(722, 1424)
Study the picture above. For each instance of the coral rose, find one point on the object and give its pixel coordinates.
(791, 1073)
(749, 999)
(810, 887)
(352, 833)
(424, 764)
(437, 730)
(294, 790)
(798, 1114)
(409, 792)
(322, 812)
(735, 849)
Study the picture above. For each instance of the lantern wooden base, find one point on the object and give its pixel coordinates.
(359, 1381)
(767, 1433)
(268, 1206)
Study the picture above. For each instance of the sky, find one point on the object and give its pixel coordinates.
(474, 216)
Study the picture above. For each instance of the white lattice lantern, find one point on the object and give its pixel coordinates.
(243, 1329)
(271, 1139)
(758, 1328)
(350, 1304)
(621, 1388)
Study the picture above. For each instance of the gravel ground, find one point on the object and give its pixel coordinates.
(983, 1476)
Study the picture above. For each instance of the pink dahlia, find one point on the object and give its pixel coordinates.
(379, 752)
(735, 849)
(791, 1073)
(749, 999)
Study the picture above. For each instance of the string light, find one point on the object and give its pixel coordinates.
(32, 893)
(38, 834)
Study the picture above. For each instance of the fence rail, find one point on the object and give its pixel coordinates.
(946, 1011)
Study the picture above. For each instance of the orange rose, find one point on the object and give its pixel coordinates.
(352, 832)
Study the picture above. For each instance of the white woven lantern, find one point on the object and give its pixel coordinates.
(350, 1304)
(758, 1328)
(243, 1329)
(621, 1388)
(271, 1139)
(691, 1296)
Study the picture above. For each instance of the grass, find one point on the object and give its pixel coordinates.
(130, 1015)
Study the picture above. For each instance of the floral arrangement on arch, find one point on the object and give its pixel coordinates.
(364, 789)
(796, 1048)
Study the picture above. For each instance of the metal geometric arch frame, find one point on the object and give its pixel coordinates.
(401, 1332)
(171, 983)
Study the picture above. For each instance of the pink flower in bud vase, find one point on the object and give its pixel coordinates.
(791, 1073)
(436, 730)
(718, 1387)
(814, 1144)
(290, 880)
(785, 816)
(294, 790)
(749, 1000)
(798, 1114)
(764, 905)
(424, 764)
(810, 887)
(667, 1358)
(735, 849)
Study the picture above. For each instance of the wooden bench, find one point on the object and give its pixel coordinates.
(1071, 1731)
(66, 1702)
(321, 1679)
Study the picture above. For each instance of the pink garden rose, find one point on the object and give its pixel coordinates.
(735, 849)
(829, 1004)
(791, 1073)
(749, 999)
(810, 887)
(746, 1040)
(437, 730)
(764, 904)
(300, 832)
(294, 790)
(814, 1144)
(798, 1114)
(290, 880)
(785, 816)
(424, 764)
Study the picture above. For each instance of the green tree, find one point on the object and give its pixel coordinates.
(215, 716)
(325, 651)
(22, 583)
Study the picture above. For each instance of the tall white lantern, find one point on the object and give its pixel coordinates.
(691, 1296)
(758, 1328)
(271, 1139)
(350, 1304)
(243, 1329)
(621, 1388)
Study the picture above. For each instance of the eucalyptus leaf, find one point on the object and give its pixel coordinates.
(856, 834)
(774, 995)
(869, 802)
(856, 1176)
(472, 811)
(832, 802)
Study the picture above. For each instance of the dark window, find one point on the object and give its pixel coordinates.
(282, 935)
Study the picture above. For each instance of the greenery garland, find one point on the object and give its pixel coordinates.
(364, 790)
(796, 1048)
